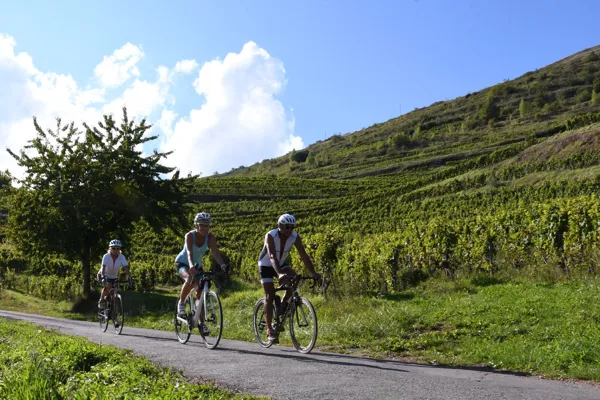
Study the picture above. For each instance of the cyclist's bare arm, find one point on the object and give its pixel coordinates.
(212, 243)
(189, 241)
(305, 257)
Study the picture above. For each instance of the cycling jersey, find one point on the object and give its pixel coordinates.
(112, 266)
(197, 252)
(263, 258)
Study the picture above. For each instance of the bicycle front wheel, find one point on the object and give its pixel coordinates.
(211, 324)
(118, 314)
(183, 326)
(303, 325)
(260, 324)
(103, 317)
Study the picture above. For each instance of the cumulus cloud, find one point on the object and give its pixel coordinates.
(186, 66)
(28, 92)
(116, 69)
(240, 120)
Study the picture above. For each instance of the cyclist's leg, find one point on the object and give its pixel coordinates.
(269, 289)
(183, 271)
(105, 289)
(283, 281)
(266, 279)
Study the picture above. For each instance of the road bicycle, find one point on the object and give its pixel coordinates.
(209, 320)
(113, 309)
(297, 311)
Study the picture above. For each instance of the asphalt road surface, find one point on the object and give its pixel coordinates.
(282, 373)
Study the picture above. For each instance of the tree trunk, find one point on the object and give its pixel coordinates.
(85, 262)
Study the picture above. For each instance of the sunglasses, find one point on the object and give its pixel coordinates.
(288, 227)
(115, 248)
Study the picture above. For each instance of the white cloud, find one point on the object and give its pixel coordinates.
(142, 98)
(116, 69)
(186, 66)
(29, 92)
(241, 121)
(166, 122)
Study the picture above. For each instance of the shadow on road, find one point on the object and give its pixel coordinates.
(337, 359)
(290, 353)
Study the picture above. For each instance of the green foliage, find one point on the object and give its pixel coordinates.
(299, 156)
(583, 95)
(400, 139)
(37, 363)
(591, 56)
(90, 186)
(436, 178)
(596, 85)
(595, 97)
(490, 109)
(523, 108)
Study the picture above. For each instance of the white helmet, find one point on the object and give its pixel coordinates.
(203, 216)
(115, 243)
(287, 219)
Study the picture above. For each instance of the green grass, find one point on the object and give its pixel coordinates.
(544, 329)
(37, 363)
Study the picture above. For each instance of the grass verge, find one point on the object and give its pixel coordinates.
(37, 363)
(544, 329)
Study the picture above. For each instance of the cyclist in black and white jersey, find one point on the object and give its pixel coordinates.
(272, 262)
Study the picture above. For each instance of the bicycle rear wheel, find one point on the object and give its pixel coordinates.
(118, 314)
(183, 330)
(213, 321)
(260, 324)
(303, 325)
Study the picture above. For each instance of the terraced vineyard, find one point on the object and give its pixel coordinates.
(502, 180)
(506, 178)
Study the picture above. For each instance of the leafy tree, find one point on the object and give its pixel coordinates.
(490, 109)
(592, 56)
(298, 156)
(595, 97)
(310, 160)
(523, 108)
(596, 85)
(400, 139)
(83, 188)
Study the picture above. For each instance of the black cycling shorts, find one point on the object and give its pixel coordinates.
(267, 273)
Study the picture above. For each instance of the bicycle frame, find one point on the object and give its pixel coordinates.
(202, 287)
(292, 301)
(113, 291)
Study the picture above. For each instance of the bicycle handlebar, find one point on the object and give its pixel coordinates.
(296, 280)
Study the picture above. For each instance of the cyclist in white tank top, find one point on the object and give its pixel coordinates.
(272, 262)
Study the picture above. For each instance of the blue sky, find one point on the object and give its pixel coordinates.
(347, 65)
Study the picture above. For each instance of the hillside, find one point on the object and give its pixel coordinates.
(458, 130)
(488, 181)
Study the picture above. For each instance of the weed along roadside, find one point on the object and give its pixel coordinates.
(38, 363)
(538, 329)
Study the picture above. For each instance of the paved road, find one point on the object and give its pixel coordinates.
(241, 366)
